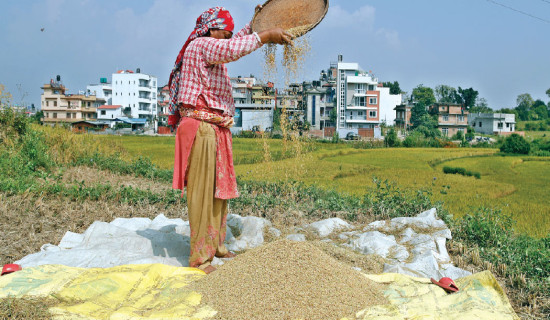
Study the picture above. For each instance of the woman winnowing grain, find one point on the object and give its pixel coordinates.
(202, 107)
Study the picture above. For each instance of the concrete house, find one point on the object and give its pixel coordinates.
(493, 123)
(61, 107)
(451, 118)
(135, 92)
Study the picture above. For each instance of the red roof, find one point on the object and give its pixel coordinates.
(109, 107)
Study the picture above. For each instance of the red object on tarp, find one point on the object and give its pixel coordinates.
(9, 268)
(446, 283)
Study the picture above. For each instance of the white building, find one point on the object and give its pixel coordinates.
(360, 99)
(492, 123)
(136, 93)
(108, 114)
(254, 104)
(388, 102)
(103, 90)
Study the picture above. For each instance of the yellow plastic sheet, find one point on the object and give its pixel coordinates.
(160, 292)
(480, 297)
(125, 292)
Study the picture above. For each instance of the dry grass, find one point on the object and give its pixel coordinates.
(90, 176)
(35, 308)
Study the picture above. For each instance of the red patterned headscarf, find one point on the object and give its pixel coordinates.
(213, 18)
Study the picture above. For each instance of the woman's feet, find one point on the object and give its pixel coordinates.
(228, 255)
(209, 269)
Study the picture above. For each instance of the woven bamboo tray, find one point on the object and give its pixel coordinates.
(295, 16)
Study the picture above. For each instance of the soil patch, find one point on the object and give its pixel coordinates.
(288, 280)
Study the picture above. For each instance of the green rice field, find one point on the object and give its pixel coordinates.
(516, 185)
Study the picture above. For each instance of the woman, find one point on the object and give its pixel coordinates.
(203, 108)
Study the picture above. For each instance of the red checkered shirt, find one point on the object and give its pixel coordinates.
(203, 70)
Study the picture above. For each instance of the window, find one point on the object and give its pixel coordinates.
(360, 101)
(461, 130)
(480, 124)
(372, 114)
(47, 103)
(55, 115)
(68, 115)
(445, 117)
(500, 125)
(507, 125)
(371, 87)
(461, 118)
(361, 88)
(88, 103)
(445, 131)
(103, 112)
(474, 124)
(373, 100)
(55, 103)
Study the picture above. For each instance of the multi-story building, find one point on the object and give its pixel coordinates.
(103, 90)
(136, 92)
(451, 118)
(403, 116)
(492, 123)
(163, 99)
(254, 104)
(359, 98)
(60, 107)
(319, 100)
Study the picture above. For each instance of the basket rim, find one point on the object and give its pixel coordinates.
(312, 26)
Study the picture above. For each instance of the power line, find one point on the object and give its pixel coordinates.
(519, 11)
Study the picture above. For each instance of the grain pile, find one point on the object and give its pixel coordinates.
(287, 280)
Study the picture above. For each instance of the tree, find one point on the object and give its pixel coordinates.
(417, 112)
(481, 107)
(524, 103)
(467, 97)
(446, 94)
(423, 95)
(428, 126)
(548, 93)
(538, 111)
(515, 144)
(394, 87)
(391, 139)
(333, 115)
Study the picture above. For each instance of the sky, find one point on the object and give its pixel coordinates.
(501, 48)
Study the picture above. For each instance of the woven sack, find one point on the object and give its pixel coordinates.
(295, 16)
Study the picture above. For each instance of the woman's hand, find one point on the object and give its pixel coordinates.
(276, 35)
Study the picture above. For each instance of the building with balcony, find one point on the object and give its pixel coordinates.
(103, 90)
(359, 97)
(319, 101)
(163, 104)
(492, 123)
(254, 104)
(451, 118)
(61, 107)
(403, 116)
(136, 92)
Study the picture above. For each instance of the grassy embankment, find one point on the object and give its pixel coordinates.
(53, 181)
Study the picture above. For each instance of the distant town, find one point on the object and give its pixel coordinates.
(345, 100)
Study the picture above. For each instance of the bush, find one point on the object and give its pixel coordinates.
(391, 139)
(515, 144)
(462, 171)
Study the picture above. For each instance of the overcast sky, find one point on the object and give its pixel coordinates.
(499, 47)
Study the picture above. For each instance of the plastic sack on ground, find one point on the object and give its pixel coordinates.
(480, 297)
(133, 291)
(161, 292)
